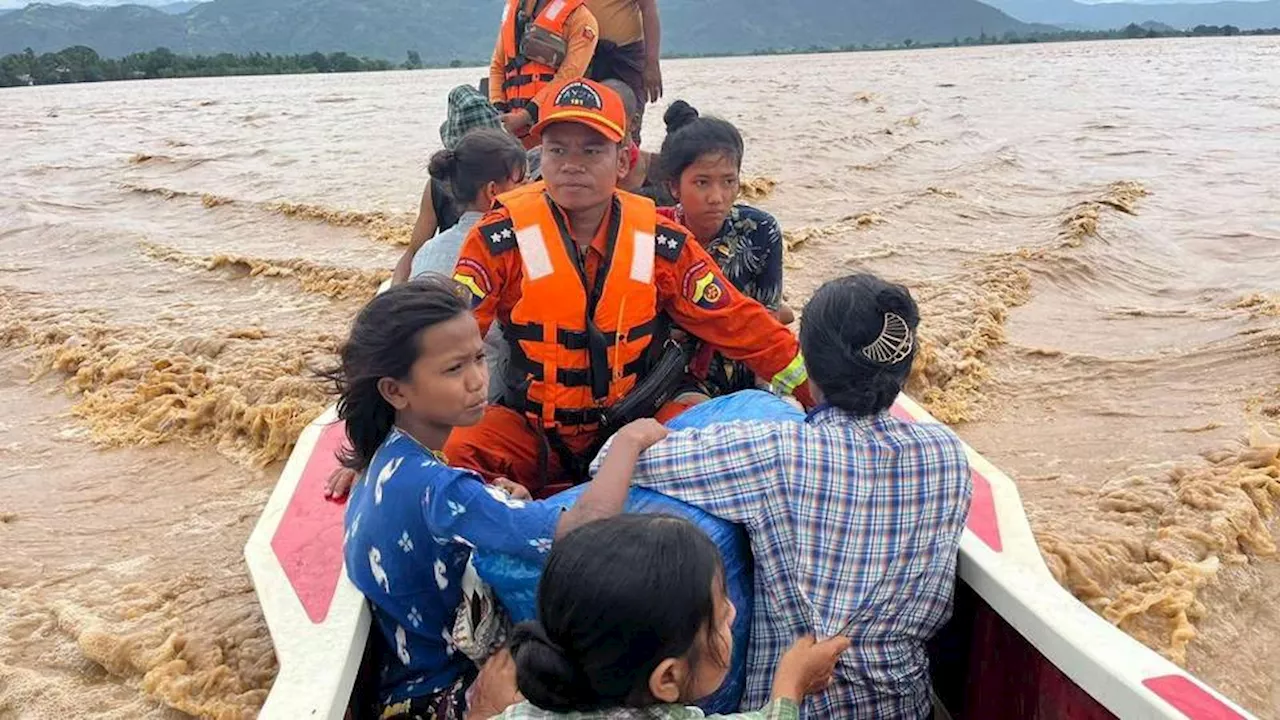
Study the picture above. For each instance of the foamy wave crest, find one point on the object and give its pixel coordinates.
(1165, 536)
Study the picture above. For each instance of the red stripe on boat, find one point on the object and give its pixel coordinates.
(308, 541)
(982, 513)
(1190, 699)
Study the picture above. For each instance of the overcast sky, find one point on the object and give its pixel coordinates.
(9, 4)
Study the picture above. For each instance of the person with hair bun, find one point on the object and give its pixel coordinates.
(699, 167)
(634, 623)
(411, 372)
(854, 515)
(438, 211)
(476, 169)
(483, 165)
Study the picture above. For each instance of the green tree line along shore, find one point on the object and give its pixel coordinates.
(82, 64)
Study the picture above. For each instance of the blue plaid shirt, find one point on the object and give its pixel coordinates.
(851, 519)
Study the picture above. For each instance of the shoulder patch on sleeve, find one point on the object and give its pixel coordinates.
(670, 242)
(499, 235)
(474, 277)
(703, 288)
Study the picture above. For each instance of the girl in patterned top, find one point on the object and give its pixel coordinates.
(700, 163)
(438, 210)
(634, 624)
(411, 371)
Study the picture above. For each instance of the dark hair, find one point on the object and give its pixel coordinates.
(845, 317)
(481, 156)
(384, 343)
(628, 96)
(690, 136)
(618, 597)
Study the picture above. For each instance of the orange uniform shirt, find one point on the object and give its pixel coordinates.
(620, 20)
(691, 289)
(580, 32)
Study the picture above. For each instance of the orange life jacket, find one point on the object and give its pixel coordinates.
(524, 78)
(578, 349)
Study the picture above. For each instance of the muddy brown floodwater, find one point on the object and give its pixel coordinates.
(1091, 229)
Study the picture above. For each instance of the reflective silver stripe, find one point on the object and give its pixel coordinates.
(642, 257)
(553, 10)
(533, 250)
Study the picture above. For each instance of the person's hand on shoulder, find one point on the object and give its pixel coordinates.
(606, 494)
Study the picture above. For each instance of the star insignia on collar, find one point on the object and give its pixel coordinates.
(669, 244)
(501, 235)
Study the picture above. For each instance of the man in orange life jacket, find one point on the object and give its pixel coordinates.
(579, 274)
(541, 42)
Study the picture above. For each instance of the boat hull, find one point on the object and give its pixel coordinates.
(1018, 645)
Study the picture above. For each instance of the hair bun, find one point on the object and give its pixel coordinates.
(859, 339)
(443, 165)
(532, 633)
(678, 115)
(544, 674)
(895, 299)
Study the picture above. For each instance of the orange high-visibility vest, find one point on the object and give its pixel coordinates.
(578, 347)
(525, 78)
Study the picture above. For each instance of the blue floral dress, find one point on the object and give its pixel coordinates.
(411, 524)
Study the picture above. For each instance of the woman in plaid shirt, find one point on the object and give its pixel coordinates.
(854, 516)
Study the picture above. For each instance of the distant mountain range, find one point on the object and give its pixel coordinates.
(1107, 16)
(446, 30)
(175, 8)
(443, 31)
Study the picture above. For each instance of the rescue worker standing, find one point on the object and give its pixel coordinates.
(579, 274)
(540, 43)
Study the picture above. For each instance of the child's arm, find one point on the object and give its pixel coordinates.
(459, 507)
(423, 228)
(607, 493)
(727, 469)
